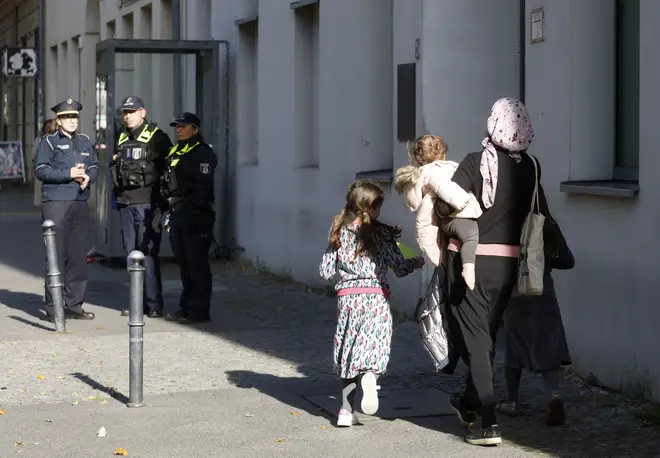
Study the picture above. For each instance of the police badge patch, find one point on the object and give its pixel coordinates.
(204, 168)
(136, 153)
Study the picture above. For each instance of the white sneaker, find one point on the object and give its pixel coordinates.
(345, 418)
(369, 393)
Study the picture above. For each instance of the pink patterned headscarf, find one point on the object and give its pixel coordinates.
(510, 128)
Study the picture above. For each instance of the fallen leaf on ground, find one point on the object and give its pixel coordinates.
(43, 392)
(100, 363)
(2, 412)
(74, 394)
(281, 440)
(295, 413)
(41, 377)
(121, 451)
(102, 432)
(104, 401)
(249, 415)
(54, 355)
(99, 327)
(49, 421)
(61, 377)
(74, 402)
(18, 443)
(324, 426)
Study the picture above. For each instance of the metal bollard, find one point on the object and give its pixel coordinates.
(54, 275)
(136, 329)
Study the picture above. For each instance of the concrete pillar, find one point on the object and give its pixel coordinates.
(162, 109)
(469, 58)
(356, 74)
(144, 75)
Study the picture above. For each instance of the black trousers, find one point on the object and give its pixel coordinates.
(71, 220)
(138, 233)
(190, 238)
(474, 317)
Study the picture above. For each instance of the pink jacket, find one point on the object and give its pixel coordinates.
(419, 186)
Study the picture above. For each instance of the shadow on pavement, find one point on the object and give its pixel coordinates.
(287, 390)
(29, 303)
(32, 323)
(113, 393)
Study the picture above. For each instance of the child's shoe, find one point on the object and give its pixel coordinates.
(345, 418)
(369, 393)
(468, 275)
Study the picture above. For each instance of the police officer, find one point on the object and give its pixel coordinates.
(188, 186)
(136, 169)
(67, 165)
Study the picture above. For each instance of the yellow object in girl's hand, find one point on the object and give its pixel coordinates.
(406, 251)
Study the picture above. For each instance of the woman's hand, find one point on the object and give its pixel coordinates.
(419, 262)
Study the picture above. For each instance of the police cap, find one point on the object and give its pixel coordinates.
(132, 103)
(68, 107)
(186, 118)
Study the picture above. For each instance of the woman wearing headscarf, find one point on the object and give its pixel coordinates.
(502, 177)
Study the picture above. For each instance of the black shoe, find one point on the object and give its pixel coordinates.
(155, 314)
(176, 315)
(556, 415)
(485, 436)
(78, 313)
(193, 320)
(465, 416)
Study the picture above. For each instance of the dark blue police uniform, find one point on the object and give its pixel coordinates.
(188, 186)
(136, 172)
(64, 201)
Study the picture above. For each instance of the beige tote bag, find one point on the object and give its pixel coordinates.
(531, 263)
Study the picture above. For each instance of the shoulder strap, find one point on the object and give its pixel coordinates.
(535, 195)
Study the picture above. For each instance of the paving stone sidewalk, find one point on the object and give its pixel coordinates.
(267, 330)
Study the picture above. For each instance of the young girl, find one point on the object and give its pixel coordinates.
(360, 251)
(430, 177)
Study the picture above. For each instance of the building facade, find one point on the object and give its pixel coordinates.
(327, 91)
(19, 27)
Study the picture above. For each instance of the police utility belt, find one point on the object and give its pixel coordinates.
(134, 169)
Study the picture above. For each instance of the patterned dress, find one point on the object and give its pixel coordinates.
(364, 322)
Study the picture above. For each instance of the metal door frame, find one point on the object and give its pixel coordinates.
(111, 47)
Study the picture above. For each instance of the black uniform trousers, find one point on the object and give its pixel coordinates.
(191, 238)
(71, 220)
(138, 233)
(473, 319)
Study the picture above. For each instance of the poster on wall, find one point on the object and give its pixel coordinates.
(11, 161)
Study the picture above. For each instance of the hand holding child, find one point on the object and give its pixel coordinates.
(418, 262)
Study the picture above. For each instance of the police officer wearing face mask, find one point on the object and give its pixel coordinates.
(188, 186)
(136, 169)
(67, 165)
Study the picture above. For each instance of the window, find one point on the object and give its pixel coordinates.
(627, 90)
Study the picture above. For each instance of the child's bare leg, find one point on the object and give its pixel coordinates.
(467, 231)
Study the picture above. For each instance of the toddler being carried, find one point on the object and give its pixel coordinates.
(429, 177)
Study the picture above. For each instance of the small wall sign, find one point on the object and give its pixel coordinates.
(537, 23)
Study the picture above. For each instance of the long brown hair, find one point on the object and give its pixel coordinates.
(363, 198)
